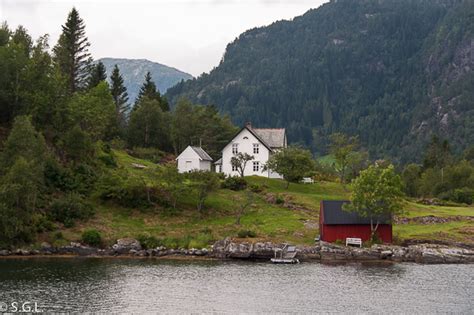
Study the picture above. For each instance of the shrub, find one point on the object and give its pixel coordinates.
(279, 200)
(246, 233)
(43, 224)
(234, 183)
(256, 188)
(58, 235)
(108, 159)
(463, 195)
(91, 237)
(70, 207)
(127, 192)
(149, 242)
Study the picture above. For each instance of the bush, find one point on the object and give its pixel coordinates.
(43, 224)
(256, 188)
(149, 242)
(108, 159)
(246, 233)
(71, 207)
(279, 200)
(234, 183)
(128, 192)
(91, 237)
(462, 195)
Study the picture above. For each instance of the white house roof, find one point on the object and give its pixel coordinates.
(218, 162)
(202, 154)
(274, 138)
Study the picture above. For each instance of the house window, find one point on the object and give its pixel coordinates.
(234, 168)
(235, 148)
(255, 148)
(256, 166)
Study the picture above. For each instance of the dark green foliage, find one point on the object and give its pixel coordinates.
(411, 179)
(92, 237)
(22, 179)
(293, 163)
(149, 91)
(19, 189)
(148, 241)
(93, 111)
(69, 208)
(257, 188)
(437, 154)
(246, 233)
(97, 75)
(148, 126)
(25, 142)
(120, 96)
(77, 145)
(386, 71)
(204, 127)
(72, 52)
(202, 183)
(130, 192)
(234, 183)
(279, 200)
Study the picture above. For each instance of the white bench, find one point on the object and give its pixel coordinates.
(353, 241)
(307, 180)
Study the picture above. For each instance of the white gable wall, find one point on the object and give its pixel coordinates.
(189, 160)
(245, 140)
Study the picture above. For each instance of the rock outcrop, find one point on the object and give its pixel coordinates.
(229, 249)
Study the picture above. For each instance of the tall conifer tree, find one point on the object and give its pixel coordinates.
(120, 96)
(72, 52)
(98, 74)
(150, 91)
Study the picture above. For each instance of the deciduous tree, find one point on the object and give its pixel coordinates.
(240, 160)
(293, 163)
(377, 194)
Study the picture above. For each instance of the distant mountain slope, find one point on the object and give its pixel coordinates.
(393, 72)
(134, 70)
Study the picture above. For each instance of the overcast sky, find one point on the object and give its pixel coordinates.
(190, 35)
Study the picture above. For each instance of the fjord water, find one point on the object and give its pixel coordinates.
(152, 286)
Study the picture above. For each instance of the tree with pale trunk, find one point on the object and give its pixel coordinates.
(377, 194)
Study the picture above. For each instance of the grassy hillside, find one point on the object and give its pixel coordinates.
(278, 214)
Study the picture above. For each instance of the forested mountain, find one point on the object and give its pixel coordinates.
(134, 70)
(392, 72)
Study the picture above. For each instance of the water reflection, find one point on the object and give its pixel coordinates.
(122, 285)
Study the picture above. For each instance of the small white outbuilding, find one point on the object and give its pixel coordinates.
(193, 158)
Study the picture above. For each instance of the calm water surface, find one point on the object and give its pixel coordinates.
(150, 286)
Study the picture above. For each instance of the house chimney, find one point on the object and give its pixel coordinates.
(248, 124)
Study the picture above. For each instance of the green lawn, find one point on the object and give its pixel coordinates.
(297, 223)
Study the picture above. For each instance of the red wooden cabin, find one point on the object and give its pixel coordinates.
(338, 224)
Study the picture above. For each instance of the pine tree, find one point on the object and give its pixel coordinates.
(98, 74)
(150, 91)
(120, 96)
(72, 52)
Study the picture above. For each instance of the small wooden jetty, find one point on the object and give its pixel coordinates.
(285, 255)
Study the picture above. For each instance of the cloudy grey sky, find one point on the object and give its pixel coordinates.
(190, 35)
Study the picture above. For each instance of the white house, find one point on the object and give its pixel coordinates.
(193, 158)
(260, 143)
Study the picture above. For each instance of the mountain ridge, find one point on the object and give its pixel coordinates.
(376, 69)
(133, 72)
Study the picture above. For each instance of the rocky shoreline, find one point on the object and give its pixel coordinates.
(229, 249)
